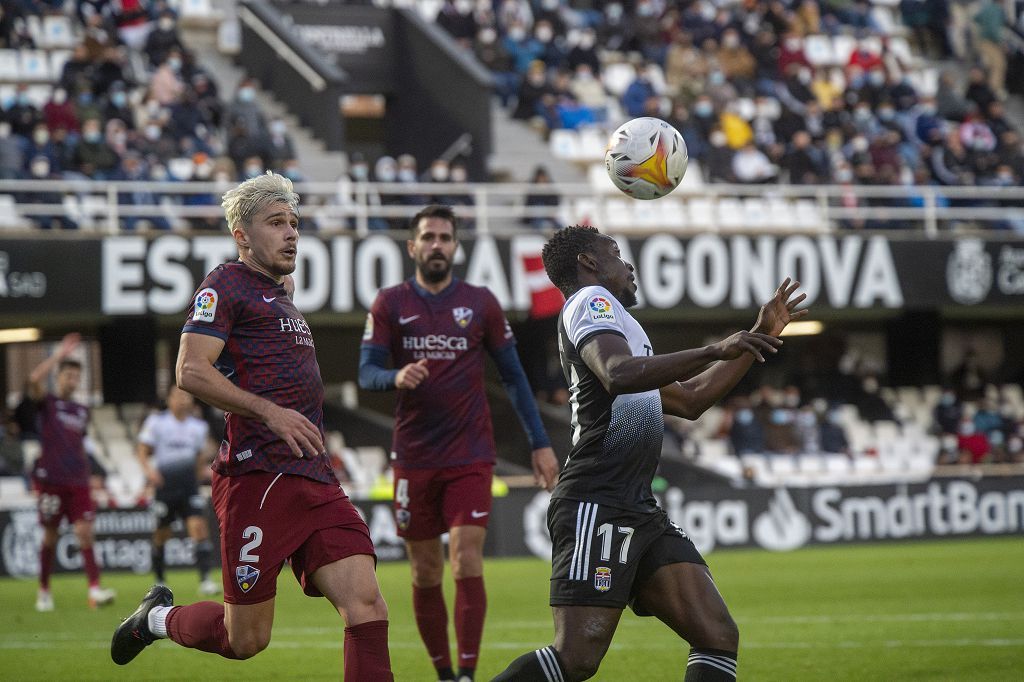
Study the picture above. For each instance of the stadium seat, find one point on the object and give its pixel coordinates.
(58, 58)
(672, 213)
(701, 213)
(646, 215)
(564, 144)
(818, 49)
(57, 31)
(758, 465)
(780, 213)
(585, 212)
(694, 177)
(843, 46)
(617, 213)
(931, 394)
(9, 70)
(593, 142)
(39, 95)
(617, 77)
(745, 108)
(34, 65)
(926, 81)
(812, 466)
(599, 180)
(9, 217)
(755, 213)
(730, 214)
(808, 216)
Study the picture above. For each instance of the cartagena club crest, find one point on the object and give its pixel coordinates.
(462, 316)
(246, 576)
(602, 578)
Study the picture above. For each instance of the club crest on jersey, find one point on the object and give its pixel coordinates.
(600, 309)
(602, 578)
(246, 576)
(402, 518)
(205, 305)
(462, 316)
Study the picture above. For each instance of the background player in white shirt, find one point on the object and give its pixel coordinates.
(175, 451)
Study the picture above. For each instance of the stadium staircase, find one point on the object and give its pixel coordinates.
(214, 44)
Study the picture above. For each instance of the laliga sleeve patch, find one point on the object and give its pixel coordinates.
(206, 305)
(368, 328)
(600, 309)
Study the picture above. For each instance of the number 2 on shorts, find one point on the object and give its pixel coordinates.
(256, 533)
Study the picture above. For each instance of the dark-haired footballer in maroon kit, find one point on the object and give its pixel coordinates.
(60, 477)
(436, 330)
(246, 349)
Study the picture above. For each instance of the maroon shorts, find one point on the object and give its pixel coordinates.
(429, 502)
(57, 501)
(266, 518)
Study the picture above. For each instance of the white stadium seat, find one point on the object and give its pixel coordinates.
(818, 49)
(672, 213)
(564, 144)
(843, 46)
(34, 65)
(593, 142)
(617, 213)
(702, 213)
(57, 31)
(9, 68)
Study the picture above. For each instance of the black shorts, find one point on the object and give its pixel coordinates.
(167, 509)
(601, 556)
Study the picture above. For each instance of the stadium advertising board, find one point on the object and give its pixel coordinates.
(356, 38)
(774, 519)
(137, 275)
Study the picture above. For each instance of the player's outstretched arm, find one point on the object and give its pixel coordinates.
(608, 356)
(196, 374)
(37, 377)
(689, 399)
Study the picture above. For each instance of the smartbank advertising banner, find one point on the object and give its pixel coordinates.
(777, 520)
(136, 275)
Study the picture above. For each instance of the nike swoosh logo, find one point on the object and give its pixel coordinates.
(478, 515)
(407, 320)
(465, 656)
(269, 300)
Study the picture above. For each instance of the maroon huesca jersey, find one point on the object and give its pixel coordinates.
(62, 426)
(445, 421)
(268, 350)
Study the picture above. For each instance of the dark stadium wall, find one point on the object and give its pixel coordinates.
(913, 346)
(440, 94)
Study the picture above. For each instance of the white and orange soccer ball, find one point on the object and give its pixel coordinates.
(646, 158)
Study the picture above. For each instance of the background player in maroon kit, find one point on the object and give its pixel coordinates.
(435, 329)
(60, 476)
(246, 349)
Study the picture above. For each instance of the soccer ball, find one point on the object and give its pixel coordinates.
(646, 158)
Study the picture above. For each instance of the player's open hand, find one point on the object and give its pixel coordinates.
(545, 468)
(301, 436)
(412, 375)
(754, 343)
(68, 344)
(781, 310)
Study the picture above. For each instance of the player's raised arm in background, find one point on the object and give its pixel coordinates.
(690, 398)
(37, 377)
(195, 373)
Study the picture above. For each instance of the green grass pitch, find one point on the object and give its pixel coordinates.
(951, 610)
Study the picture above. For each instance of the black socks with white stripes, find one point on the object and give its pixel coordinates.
(542, 665)
(710, 665)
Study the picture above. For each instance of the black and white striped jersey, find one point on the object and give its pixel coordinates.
(616, 442)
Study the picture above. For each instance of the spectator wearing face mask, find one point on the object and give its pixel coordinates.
(832, 435)
(616, 32)
(242, 144)
(456, 17)
(279, 144)
(12, 155)
(686, 67)
(59, 112)
(791, 52)
(532, 91)
(752, 166)
(155, 140)
(552, 53)
(522, 47)
(746, 434)
(163, 38)
(118, 105)
(40, 146)
(22, 114)
(973, 446)
(39, 168)
(166, 86)
(408, 175)
(245, 108)
(492, 54)
(92, 156)
(585, 52)
(736, 62)
(719, 160)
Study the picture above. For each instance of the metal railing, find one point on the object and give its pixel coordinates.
(109, 207)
